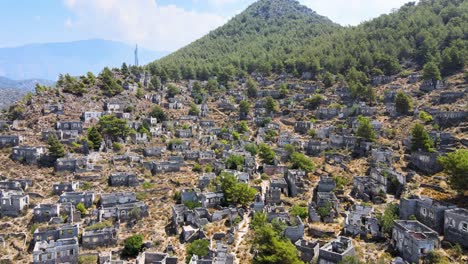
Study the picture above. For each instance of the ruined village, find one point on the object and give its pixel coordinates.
(300, 162)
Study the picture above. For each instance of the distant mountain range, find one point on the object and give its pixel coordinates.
(48, 60)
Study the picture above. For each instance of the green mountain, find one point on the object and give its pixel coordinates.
(276, 36)
(262, 36)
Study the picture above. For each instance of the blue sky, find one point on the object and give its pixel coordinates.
(164, 25)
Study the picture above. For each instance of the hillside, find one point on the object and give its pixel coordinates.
(12, 90)
(48, 60)
(262, 36)
(282, 36)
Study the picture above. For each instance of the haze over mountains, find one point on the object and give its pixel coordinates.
(48, 60)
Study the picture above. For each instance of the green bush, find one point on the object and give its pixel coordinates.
(133, 245)
(300, 211)
(117, 146)
(425, 117)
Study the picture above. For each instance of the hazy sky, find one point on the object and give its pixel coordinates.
(155, 24)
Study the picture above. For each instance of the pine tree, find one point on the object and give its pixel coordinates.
(365, 129)
(431, 71)
(251, 88)
(420, 139)
(402, 103)
(56, 149)
(95, 137)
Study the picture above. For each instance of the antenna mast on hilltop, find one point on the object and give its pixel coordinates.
(136, 55)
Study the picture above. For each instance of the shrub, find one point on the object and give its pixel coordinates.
(117, 146)
(424, 116)
(301, 161)
(300, 211)
(80, 207)
(133, 245)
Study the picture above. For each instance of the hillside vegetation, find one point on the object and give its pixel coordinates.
(277, 36)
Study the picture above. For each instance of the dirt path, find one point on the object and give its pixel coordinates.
(244, 228)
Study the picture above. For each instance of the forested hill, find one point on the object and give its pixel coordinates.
(275, 36)
(261, 37)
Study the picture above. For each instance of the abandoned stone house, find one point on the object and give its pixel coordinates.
(154, 151)
(426, 210)
(44, 212)
(15, 184)
(303, 127)
(28, 155)
(123, 179)
(309, 250)
(132, 87)
(211, 199)
(368, 189)
(174, 104)
(315, 147)
(456, 226)
(180, 146)
(91, 117)
(361, 221)
(54, 233)
(206, 123)
(155, 258)
(72, 164)
(87, 198)
(381, 79)
(297, 182)
(336, 250)
(280, 184)
(13, 203)
(381, 157)
(326, 199)
(138, 138)
(205, 179)
(70, 125)
(449, 97)
(102, 237)
(450, 118)
(165, 166)
(272, 196)
(326, 184)
(122, 115)
(218, 255)
(113, 107)
(10, 140)
(414, 77)
(425, 162)
(123, 212)
(294, 229)
(113, 199)
(56, 109)
(60, 251)
(431, 85)
(326, 113)
(413, 240)
(390, 180)
(204, 110)
(184, 133)
(59, 188)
